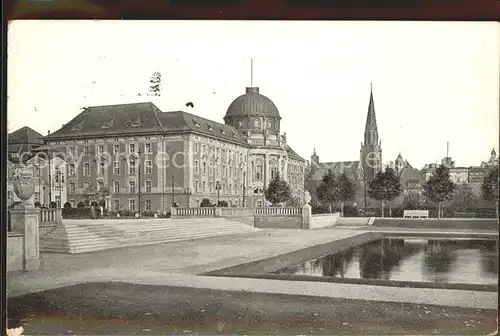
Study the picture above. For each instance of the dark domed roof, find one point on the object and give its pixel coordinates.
(254, 104)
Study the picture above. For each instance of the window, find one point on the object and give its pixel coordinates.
(148, 186)
(101, 168)
(241, 156)
(131, 205)
(204, 168)
(230, 171)
(131, 148)
(274, 172)
(86, 150)
(196, 147)
(72, 169)
(147, 205)
(71, 152)
(147, 148)
(230, 190)
(58, 201)
(149, 167)
(116, 149)
(224, 171)
(37, 196)
(204, 188)
(86, 169)
(210, 168)
(116, 205)
(131, 187)
(116, 168)
(210, 186)
(258, 171)
(224, 188)
(259, 204)
(196, 167)
(196, 184)
(131, 167)
(116, 187)
(62, 177)
(72, 187)
(203, 149)
(100, 185)
(218, 152)
(100, 150)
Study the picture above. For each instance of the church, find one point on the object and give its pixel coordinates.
(150, 160)
(360, 172)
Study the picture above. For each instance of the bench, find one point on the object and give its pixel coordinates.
(416, 214)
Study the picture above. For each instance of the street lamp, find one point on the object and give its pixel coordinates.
(217, 187)
(173, 192)
(187, 191)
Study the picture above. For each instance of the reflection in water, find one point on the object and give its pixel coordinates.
(421, 260)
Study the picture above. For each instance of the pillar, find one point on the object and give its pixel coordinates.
(25, 220)
(306, 216)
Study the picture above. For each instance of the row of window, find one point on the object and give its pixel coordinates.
(132, 168)
(229, 189)
(218, 152)
(132, 149)
(131, 187)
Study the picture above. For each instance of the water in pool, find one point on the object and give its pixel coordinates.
(416, 260)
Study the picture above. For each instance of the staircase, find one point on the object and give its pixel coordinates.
(79, 236)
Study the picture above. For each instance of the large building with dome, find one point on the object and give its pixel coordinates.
(150, 160)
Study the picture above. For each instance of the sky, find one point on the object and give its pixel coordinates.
(433, 82)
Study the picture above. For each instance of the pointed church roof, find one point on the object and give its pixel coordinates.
(371, 120)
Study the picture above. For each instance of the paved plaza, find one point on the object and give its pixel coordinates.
(178, 263)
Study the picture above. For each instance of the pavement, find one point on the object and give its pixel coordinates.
(177, 264)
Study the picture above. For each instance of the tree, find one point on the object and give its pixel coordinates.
(439, 187)
(205, 203)
(385, 187)
(278, 191)
(155, 84)
(489, 188)
(392, 187)
(327, 190)
(464, 198)
(345, 191)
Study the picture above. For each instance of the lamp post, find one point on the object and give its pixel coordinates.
(187, 191)
(217, 187)
(173, 192)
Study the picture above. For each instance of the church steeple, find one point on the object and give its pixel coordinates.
(371, 131)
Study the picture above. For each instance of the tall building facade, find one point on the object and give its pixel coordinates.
(152, 160)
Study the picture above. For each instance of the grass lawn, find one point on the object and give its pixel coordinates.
(121, 308)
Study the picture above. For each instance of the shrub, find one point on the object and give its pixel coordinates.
(37, 204)
(205, 203)
(53, 205)
(486, 213)
(80, 205)
(148, 213)
(76, 213)
(67, 205)
(94, 203)
(223, 204)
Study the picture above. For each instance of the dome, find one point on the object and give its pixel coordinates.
(254, 104)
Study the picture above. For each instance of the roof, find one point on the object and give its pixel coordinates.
(252, 103)
(180, 121)
(111, 120)
(350, 168)
(25, 135)
(371, 121)
(293, 155)
(408, 173)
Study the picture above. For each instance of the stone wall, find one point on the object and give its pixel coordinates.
(324, 220)
(278, 222)
(15, 252)
(434, 223)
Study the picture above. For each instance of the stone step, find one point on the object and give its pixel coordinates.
(85, 236)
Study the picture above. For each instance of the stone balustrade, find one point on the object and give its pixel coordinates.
(194, 212)
(49, 218)
(276, 211)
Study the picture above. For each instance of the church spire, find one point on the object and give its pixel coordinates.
(371, 131)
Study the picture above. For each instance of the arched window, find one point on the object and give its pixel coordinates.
(274, 172)
(256, 123)
(258, 171)
(269, 123)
